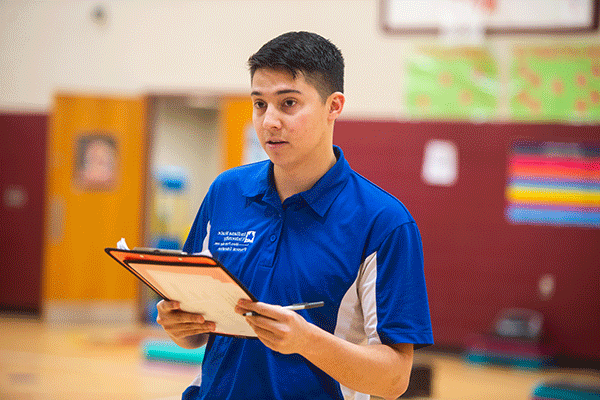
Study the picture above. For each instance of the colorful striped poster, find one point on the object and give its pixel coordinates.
(553, 183)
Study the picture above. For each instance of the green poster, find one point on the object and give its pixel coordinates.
(455, 83)
(556, 84)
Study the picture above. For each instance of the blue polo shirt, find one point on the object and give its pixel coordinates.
(345, 241)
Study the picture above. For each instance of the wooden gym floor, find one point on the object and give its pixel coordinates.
(45, 361)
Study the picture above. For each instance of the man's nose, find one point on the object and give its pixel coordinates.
(271, 118)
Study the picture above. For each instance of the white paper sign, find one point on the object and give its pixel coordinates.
(440, 163)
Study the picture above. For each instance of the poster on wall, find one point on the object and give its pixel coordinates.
(440, 163)
(552, 183)
(556, 84)
(96, 161)
(452, 82)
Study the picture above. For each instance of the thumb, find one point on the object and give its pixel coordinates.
(169, 305)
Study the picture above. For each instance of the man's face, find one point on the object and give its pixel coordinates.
(291, 120)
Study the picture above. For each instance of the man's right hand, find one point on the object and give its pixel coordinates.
(186, 329)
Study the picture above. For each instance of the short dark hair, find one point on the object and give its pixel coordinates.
(319, 60)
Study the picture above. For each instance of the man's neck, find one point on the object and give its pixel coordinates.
(296, 180)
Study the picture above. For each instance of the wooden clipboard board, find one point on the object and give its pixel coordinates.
(200, 283)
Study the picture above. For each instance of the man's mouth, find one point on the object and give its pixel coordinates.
(274, 142)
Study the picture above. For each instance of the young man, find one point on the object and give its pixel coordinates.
(319, 232)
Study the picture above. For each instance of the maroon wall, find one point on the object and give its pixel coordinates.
(476, 262)
(22, 170)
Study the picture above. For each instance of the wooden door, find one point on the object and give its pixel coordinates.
(236, 119)
(97, 163)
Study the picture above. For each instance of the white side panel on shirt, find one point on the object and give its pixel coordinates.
(357, 315)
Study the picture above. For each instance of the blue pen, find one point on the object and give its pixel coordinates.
(294, 307)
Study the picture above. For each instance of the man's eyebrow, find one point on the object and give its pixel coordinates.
(278, 93)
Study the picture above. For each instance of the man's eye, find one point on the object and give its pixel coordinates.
(259, 104)
(289, 103)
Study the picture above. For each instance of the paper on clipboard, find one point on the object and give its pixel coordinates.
(200, 283)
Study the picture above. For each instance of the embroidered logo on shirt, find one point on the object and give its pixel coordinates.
(234, 240)
(250, 237)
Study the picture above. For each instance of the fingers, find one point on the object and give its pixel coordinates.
(168, 305)
(267, 317)
(179, 317)
(170, 312)
(178, 323)
(243, 306)
(262, 309)
(268, 328)
(185, 330)
(278, 328)
(267, 337)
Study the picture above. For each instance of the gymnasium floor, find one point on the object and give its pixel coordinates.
(43, 361)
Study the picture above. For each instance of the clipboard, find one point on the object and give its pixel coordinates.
(200, 283)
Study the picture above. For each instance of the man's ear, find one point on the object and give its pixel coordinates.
(336, 105)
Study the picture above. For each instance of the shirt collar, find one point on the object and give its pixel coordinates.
(257, 183)
(319, 197)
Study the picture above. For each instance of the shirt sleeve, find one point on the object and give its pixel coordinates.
(402, 307)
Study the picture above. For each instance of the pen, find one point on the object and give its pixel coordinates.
(294, 307)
